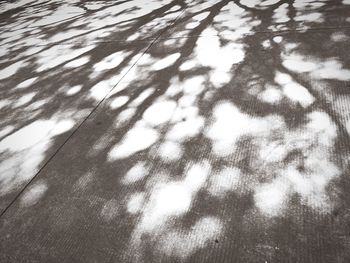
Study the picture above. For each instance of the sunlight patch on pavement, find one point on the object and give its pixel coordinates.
(170, 151)
(24, 99)
(135, 203)
(33, 195)
(138, 138)
(271, 95)
(220, 59)
(78, 62)
(27, 83)
(12, 69)
(308, 177)
(136, 173)
(59, 54)
(25, 150)
(328, 69)
(166, 62)
(118, 102)
(294, 91)
(224, 181)
(159, 112)
(182, 244)
(111, 61)
(230, 124)
(168, 201)
(110, 210)
(174, 198)
(73, 90)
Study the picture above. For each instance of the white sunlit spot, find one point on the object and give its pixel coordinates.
(277, 39)
(294, 91)
(137, 139)
(266, 43)
(28, 136)
(25, 99)
(339, 37)
(281, 14)
(145, 94)
(166, 62)
(111, 61)
(197, 175)
(175, 87)
(220, 59)
(187, 65)
(78, 62)
(311, 17)
(26, 83)
(268, 2)
(328, 69)
(101, 89)
(188, 100)
(6, 130)
(186, 129)
(26, 149)
(174, 198)
(201, 16)
(170, 151)
(348, 126)
(298, 93)
(110, 209)
(194, 85)
(160, 112)
(70, 33)
(185, 243)
(124, 116)
(224, 181)
(331, 69)
(312, 188)
(271, 197)
(271, 95)
(136, 173)
(59, 54)
(192, 25)
(62, 126)
(320, 122)
(56, 17)
(119, 101)
(11, 69)
(73, 90)
(133, 36)
(33, 194)
(169, 200)
(230, 124)
(299, 64)
(135, 203)
(282, 78)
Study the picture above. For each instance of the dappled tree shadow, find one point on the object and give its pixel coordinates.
(53, 73)
(224, 135)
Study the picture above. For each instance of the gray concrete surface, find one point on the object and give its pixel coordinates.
(174, 131)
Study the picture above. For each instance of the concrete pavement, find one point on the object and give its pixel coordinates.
(174, 131)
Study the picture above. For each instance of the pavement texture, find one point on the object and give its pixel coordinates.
(175, 131)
